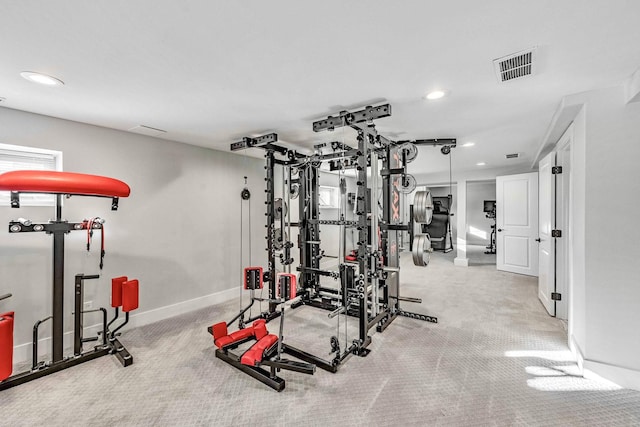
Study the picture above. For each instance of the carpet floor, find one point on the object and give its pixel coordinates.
(494, 359)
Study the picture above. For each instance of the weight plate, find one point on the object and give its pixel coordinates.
(421, 250)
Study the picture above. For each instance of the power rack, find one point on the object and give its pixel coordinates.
(369, 286)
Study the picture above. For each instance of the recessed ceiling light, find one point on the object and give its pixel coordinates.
(436, 94)
(468, 144)
(480, 164)
(42, 79)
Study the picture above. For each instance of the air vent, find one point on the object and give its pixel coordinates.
(147, 130)
(512, 156)
(514, 66)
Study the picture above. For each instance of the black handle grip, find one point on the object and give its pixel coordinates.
(499, 229)
(538, 240)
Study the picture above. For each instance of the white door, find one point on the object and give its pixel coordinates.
(517, 223)
(546, 221)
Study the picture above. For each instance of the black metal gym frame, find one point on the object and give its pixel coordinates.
(59, 228)
(372, 295)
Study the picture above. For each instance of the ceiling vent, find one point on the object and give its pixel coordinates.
(514, 66)
(147, 130)
(512, 156)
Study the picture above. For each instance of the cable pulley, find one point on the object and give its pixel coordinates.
(423, 207)
(421, 250)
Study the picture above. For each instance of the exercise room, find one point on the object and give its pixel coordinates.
(348, 214)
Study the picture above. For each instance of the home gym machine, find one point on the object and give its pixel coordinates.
(59, 184)
(369, 287)
(490, 212)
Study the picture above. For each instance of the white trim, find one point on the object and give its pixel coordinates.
(22, 352)
(461, 262)
(624, 377)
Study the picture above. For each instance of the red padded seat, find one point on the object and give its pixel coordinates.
(253, 356)
(222, 338)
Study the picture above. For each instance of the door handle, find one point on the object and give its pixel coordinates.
(499, 230)
(538, 240)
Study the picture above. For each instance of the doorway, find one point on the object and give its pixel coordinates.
(481, 222)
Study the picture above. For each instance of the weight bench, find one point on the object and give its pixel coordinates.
(266, 351)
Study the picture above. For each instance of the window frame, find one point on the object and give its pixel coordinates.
(30, 199)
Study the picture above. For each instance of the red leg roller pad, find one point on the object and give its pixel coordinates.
(116, 291)
(253, 356)
(130, 295)
(6, 345)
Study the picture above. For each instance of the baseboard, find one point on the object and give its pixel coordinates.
(22, 352)
(577, 352)
(461, 262)
(623, 377)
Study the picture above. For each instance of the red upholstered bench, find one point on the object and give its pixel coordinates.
(258, 330)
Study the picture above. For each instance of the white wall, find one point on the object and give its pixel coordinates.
(604, 315)
(178, 232)
(478, 225)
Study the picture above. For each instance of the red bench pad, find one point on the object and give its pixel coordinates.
(39, 181)
(222, 338)
(234, 337)
(253, 356)
(6, 345)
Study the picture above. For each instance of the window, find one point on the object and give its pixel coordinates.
(15, 157)
(328, 197)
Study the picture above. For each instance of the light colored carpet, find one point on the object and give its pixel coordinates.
(495, 358)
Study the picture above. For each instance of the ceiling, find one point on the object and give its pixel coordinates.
(210, 72)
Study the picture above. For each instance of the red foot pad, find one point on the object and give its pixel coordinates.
(253, 356)
(6, 345)
(130, 294)
(38, 181)
(116, 290)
